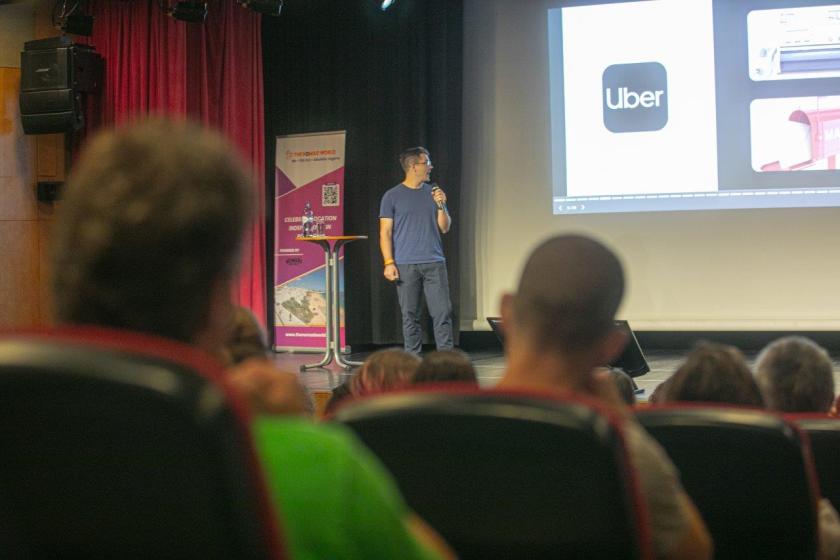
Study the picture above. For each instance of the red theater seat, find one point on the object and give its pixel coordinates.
(750, 474)
(117, 445)
(824, 434)
(509, 474)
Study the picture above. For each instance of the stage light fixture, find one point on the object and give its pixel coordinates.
(267, 7)
(69, 16)
(191, 11)
(78, 24)
(387, 4)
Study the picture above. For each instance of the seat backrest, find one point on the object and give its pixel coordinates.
(117, 445)
(749, 473)
(824, 435)
(508, 475)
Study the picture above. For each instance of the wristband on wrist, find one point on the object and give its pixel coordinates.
(389, 261)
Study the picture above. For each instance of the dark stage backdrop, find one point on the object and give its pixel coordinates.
(392, 80)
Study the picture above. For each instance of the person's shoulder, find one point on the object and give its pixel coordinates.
(395, 190)
(301, 441)
(302, 431)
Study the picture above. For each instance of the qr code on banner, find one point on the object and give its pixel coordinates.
(329, 194)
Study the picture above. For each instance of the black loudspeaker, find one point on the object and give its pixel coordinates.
(632, 360)
(49, 191)
(498, 328)
(55, 73)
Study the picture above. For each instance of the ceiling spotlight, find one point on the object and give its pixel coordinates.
(78, 24)
(70, 16)
(191, 11)
(387, 4)
(267, 7)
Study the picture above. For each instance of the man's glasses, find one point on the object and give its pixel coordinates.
(427, 162)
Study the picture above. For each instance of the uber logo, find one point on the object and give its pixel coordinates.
(635, 97)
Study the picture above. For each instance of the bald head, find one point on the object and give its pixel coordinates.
(568, 294)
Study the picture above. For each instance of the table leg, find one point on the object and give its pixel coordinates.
(346, 364)
(329, 352)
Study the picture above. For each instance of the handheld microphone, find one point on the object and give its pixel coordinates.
(440, 205)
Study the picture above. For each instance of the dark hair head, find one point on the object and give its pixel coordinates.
(383, 370)
(624, 384)
(151, 222)
(796, 375)
(569, 292)
(660, 392)
(410, 156)
(247, 337)
(714, 373)
(337, 397)
(444, 366)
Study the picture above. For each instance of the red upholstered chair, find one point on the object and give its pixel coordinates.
(509, 474)
(824, 434)
(118, 445)
(749, 472)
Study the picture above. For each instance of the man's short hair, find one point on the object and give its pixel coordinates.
(384, 370)
(714, 373)
(151, 221)
(568, 294)
(444, 366)
(796, 375)
(410, 156)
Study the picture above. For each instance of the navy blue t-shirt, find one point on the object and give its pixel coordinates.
(416, 235)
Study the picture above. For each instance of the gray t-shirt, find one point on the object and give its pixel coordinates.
(660, 487)
(416, 236)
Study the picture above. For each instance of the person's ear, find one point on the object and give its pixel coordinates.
(613, 345)
(506, 305)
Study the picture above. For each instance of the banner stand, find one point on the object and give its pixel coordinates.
(309, 185)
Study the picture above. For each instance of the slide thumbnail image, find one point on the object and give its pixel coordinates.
(795, 133)
(794, 43)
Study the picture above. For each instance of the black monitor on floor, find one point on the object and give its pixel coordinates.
(496, 325)
(631, 360)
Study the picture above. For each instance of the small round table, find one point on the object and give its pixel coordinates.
(332, 244)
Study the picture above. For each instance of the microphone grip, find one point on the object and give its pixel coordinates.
(440, 205)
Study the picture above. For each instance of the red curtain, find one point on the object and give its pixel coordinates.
(211, 72)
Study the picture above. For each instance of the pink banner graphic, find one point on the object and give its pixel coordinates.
(309, 171)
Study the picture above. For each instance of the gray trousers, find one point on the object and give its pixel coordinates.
(427, 279)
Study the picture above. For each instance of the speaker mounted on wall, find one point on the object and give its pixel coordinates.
(55, 75)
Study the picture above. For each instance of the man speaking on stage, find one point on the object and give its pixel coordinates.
(412, 216)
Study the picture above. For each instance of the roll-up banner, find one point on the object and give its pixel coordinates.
(309, 171)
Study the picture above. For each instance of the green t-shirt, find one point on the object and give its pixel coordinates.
(334, 499)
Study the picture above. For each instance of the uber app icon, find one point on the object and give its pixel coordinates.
(635, 97)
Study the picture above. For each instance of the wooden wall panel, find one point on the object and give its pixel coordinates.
(20, 252)
(24, 222)
(19, 276)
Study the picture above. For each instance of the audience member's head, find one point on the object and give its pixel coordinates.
(568, 294)
(795, 375)
(562, 314)
(148, 239)
(445, 366)
(660, 393)
(149, 231)
(624, 384)
(715, 373)
(338, 396)
(384, 370)
(246, 338)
